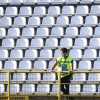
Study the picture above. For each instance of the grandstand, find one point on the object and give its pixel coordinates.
(31, 35)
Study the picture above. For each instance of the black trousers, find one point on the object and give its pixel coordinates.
(65, 87)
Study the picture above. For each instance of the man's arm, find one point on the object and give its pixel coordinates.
(54, 65)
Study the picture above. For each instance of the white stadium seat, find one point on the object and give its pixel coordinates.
(39, 11)
(28, 88)
(1, 65)
(3, 2)
(57, 53)
(31, 54)
(42, 32)
(19, 21)
(97, 32)
(49, 77)
(53, 10)
(3, 54)
(29, 2)
(13, 33)
(68, 10)
(25, 65)
(71, 32)
(57, 1)
(51, 64)
(25, 11)
(85, 65)
(40, 65)
(3, 77)
(76, 20)
(19, 77)
(10, 65)
(96, 65)
(37, 43)
(1, 11)
(28, 32)
(34, 77)
(11, 11)
(46, 53)
(22, 43)
(89, 89)
(90, 54)
(72, 1)
(82, 10)
(74, 89)
(16, 2)
(8, 43)
(86, 1)
(43, 88)
(2, 32)
(2, 88)
(16, 54)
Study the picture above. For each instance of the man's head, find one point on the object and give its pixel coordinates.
(65, 52)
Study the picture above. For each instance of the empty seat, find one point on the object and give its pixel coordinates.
(14, 88)
(1, 65)
(3, 54)
(62, 20)
(40, 65)
(66, 43)
(5, 21)
(99, 89)
(3, 77)
(95, 10)
(68, 10)
(8, 43)
(94, 77)
(57, 1)
(31, 54)
(16, 54)
(89, 89)
(90, 54)
(34, 21)
(55, 89)
(49, 77)
(74, 89)
(1, 11)
(22, 43)
(37, 43)
(85, 65)
(86, 32)
(15, 2)
(48, 21)
(39, 11)
(11, 11)
(43, 88)
(13, 32)
(71, 32)
(42, 32)
(43, 1)
(46, 53)
(25, 65)
(79, 77)
(51, 64)
(2, 32)
(28, 88)
(25, 11)
(72, 1)
(96, 65)
(76, 53)
(91, 20)
(76, 20)
(3, 2)
(82, 10)
(19, 21)
(51, 42)
(86, 1)
(2, 88)
(53, 10)
(57, 31)
(57, 53)
(10, 65)
(29, 1)
(28, 32)
(97, 32)
(19, 77)
(96, 1)
(94, 43)
(80, 43)
(34, 77)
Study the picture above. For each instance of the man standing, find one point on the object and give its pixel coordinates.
(65, 63)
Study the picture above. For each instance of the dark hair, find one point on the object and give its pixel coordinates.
(64, 50)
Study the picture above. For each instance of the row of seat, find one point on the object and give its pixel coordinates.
(51, 10)
(80, 43)
(33, 54)
(18, 2)
(49, 21)
(46, 65)
(45, 88)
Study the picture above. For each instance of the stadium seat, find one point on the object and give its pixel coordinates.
(96, 65)
(3, 54)
(3, 77)
(2, 33)
(1, 11)
(57, 53)
(2, 88)
(15, 2)
(96, 33)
